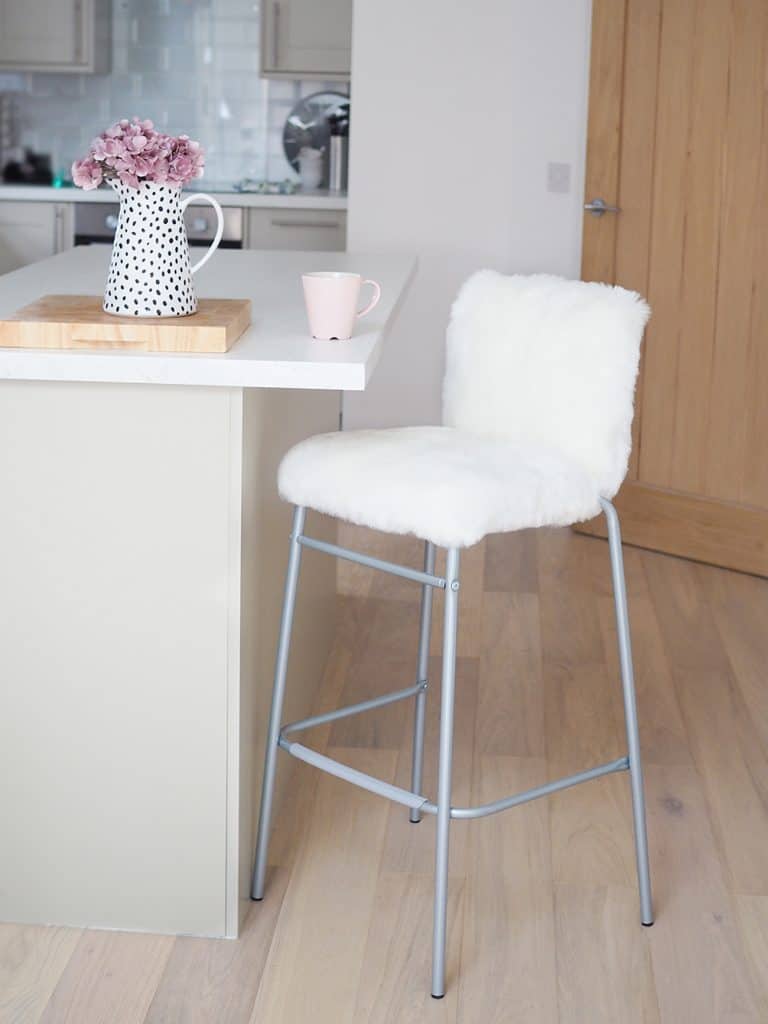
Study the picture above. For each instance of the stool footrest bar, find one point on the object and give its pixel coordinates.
(373, 563)
(481, 811)
(354, 709)
(343, 771)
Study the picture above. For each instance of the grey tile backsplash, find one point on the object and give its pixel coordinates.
(190, 65)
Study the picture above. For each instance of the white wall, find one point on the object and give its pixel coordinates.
(458, 107)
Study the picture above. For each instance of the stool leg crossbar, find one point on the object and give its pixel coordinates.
(355, 709)
(393, 568)
(412, 798)
(357, 778)
(483, 810)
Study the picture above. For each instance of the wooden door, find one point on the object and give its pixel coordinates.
(678, 140)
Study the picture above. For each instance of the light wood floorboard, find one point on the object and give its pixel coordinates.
(543, 923)
(32, 961)
(111, 978)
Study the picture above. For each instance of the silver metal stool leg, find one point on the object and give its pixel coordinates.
(421, 676)
(444, 772)
(630, 711)
(275, 715)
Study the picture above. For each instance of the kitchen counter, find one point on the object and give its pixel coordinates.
(143, 548)
(276, 352)
(319, 200)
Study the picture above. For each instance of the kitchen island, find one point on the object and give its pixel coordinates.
(143, 547)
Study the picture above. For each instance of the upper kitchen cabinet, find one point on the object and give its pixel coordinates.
(69, 35)
(306, 39)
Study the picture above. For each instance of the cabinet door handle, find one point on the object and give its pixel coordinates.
(303, 224)
(58, 229)
(77, 11)
(275, 33)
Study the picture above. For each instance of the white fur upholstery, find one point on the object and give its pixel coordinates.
(538, 396)
(442, 484)
(541, 360)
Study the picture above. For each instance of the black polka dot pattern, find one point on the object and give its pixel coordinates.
(149, 272)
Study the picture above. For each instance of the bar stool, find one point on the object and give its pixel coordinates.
(537, 406)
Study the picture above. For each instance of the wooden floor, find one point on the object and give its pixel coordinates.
(543, 907)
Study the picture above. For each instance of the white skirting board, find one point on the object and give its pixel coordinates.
(142, 547)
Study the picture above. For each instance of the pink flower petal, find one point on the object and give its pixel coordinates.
(134, 150)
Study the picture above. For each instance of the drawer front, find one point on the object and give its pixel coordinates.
(307, 230)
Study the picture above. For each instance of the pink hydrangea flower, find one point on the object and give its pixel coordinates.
(87, 174)
(134, 151)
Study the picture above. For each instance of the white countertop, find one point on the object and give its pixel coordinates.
(319, 200)
(275, 352)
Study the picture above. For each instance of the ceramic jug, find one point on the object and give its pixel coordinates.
(150, 274)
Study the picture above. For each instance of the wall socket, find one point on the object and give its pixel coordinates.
(558, 177)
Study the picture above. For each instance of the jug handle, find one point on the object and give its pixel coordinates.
(219, 229)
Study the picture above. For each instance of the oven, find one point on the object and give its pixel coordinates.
(95, 224)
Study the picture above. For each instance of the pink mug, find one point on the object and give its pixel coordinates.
(331, 297)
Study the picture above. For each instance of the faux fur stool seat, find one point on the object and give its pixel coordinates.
(538, 405)
(444, 485)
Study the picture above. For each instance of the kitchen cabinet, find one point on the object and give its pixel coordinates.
(33, 231)
(69, 35)
(304, 38)
(308, 230)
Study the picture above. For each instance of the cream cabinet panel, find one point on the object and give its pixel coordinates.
(306, 38)
(143, 545)
(69, 35)
(308, 230)
(33, 231)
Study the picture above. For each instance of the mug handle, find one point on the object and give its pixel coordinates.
(219, 229)
(376, 296)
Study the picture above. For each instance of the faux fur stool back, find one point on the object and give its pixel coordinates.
(549, 362)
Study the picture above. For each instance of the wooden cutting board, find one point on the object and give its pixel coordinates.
(78, 321)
